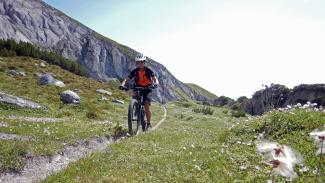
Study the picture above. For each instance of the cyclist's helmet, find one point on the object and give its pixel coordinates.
(140, 57)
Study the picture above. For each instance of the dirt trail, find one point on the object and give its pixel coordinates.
(8, 136)
(162, 120)
(38, 168)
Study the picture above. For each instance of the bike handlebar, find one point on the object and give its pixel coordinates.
(154, 86)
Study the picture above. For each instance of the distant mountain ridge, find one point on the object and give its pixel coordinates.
(36, 22)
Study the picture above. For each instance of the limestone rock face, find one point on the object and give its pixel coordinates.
(279, 96)
(36, 22)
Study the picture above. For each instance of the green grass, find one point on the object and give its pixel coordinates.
(191, 147)
(187, 147)
(202, 91)
(289, 128)
(182, 149)
(80, 121)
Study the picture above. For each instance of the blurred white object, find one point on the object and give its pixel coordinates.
(282, 158)
(282, 166)
(319, 140)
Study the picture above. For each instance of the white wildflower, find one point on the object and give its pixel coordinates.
(197, 167)
(303, 169)
(260, 136)
(243, 167)
(281, 157)
(319, 138)
(257, 168)
(281, 166)
(222, 151)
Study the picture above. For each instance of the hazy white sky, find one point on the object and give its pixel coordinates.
(228, 47)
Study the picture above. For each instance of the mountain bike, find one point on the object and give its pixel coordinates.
(136, 112)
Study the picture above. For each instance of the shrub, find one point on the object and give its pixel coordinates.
(92, 114)
(225, 111)
(189, 118)
(9, 48)
(236, 107)
(222, 101)
(205, 110)
(119, 130)
(184, 104)
(2, 69)
(238, 113)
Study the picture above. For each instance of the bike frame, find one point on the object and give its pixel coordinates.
(140, 105)
(136, 107)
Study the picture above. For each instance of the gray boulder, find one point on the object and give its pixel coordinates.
(118, 101)
(12, 72)
(21, 73)
(69, 97)
(17, 101)
(48, 79)
(102, 91)
(42, 65)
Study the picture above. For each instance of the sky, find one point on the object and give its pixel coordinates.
(230, 47)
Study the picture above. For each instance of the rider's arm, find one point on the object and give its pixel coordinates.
(125, 81)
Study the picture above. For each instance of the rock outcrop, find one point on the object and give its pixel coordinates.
(102, 91)
(48, 79)
(36, 22)
(17, 101)
(279, 96)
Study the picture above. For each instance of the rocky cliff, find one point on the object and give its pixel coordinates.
(36, 22)
(279, 96)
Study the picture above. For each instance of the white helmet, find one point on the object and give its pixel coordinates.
(140, 57)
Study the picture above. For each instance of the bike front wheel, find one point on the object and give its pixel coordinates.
(132, 111)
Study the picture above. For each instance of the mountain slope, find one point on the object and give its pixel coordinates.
(58, 124)
(202, 91)
(36, 22)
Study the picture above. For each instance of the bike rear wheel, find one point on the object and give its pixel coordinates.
(132, 111)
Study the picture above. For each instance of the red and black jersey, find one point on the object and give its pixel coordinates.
(143, 77)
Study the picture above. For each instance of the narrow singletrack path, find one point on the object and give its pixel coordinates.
(38, 168)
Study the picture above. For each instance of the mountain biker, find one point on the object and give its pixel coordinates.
(143, 77)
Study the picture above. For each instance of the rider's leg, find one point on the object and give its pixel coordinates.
(148, 112)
